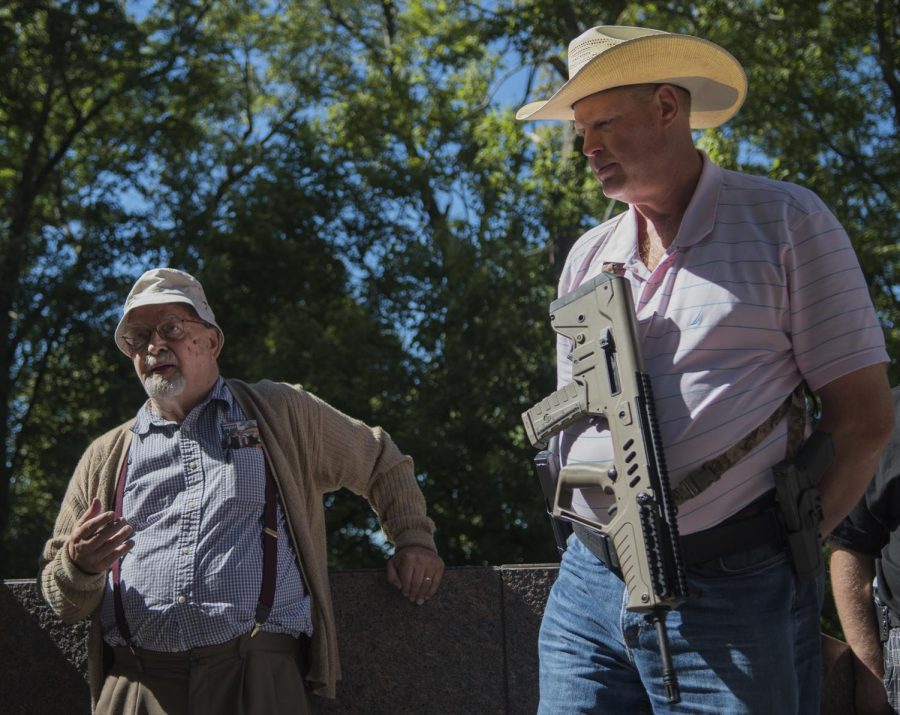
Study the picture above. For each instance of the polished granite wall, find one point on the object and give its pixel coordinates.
(471, 650)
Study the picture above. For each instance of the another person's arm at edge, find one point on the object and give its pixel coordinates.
(852, 574)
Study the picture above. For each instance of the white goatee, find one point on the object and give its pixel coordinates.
(159, 386)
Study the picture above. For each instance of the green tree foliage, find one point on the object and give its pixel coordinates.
(446, 229)
(68, 102)
(349, 183)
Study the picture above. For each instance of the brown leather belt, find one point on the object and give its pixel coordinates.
(148, 660)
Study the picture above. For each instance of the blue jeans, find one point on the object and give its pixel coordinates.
(747, 640)
(892, 669)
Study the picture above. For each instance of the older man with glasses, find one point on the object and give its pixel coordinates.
(193, 536)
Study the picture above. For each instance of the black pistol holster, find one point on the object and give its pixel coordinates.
(800, 503)
(547, 464)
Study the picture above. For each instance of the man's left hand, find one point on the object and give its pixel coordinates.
(416, 572)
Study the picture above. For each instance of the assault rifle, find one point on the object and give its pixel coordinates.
(609, 382)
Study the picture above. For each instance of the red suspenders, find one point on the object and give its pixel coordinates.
(270, 557)
(121, 621)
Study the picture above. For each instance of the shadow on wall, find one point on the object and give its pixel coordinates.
(471, 649)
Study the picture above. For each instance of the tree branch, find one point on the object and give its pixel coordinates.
(886, 58)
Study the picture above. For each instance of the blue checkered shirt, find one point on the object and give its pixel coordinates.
(194, 575)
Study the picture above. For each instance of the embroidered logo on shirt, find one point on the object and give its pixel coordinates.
(696, 320)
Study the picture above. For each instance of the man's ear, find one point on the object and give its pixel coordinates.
(216, 341)
(670, 103)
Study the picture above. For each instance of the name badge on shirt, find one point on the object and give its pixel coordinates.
(241, 434)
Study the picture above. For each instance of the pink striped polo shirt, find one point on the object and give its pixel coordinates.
(760, 289)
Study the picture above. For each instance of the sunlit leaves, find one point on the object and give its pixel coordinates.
(368, 217)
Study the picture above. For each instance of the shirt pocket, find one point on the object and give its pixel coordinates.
(247, 481)
(149, 498)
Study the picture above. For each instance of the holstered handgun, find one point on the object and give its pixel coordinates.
(547, 464)
(800, 503)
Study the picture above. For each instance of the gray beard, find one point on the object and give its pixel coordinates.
(159, 387)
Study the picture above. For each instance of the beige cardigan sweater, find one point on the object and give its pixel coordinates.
(312, 449)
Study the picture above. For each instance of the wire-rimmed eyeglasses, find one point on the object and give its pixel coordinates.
(171, 329)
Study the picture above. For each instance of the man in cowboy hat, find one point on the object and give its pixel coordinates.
(193, 536)
(744, 288)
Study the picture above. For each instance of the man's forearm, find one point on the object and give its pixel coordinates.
(858, 413)
(852, 574)
(844, 484)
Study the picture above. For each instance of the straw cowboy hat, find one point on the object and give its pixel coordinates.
(613, 56)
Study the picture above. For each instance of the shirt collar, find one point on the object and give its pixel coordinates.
(700, 216)
(622, 244)
(147, 419)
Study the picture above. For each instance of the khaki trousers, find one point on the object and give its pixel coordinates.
(245, 676)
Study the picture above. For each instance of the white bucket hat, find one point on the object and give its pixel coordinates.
(614, 56)
(166, 285)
